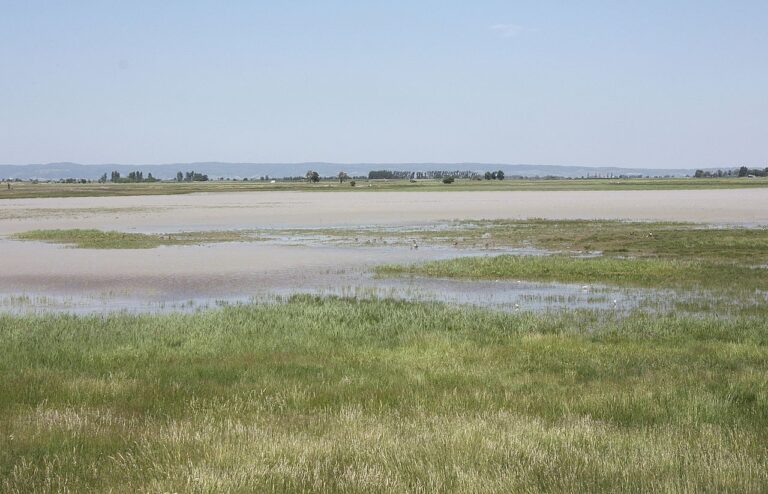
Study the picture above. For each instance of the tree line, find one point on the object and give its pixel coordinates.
(191, 177)
(138, 177)
(434, 174)
(742, 171)
(132, 177)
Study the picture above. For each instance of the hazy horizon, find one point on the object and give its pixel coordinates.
(643, 85)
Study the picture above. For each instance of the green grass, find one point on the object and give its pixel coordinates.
(654, 273)
(612, 238)
(30, 190)
(668, 240)
(655, 255)
(340, 395)
(98, 239)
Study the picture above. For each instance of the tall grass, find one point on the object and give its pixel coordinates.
(340, 395)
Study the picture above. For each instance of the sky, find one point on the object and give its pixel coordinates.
(657, 84)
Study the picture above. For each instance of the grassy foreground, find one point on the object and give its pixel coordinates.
(339, 395)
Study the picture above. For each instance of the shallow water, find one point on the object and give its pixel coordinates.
(185, 297)
(190, 277)
(37, 276)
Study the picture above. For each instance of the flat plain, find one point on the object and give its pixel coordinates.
(22, 190)
(289, 340)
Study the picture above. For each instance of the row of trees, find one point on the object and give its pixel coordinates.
(432, 174)
(743, 171)
(138, 176)
(436, 174)
(389, 175)
(191, 177)
(132, 177)
(313, 177)
(756, 172)
(497, 175)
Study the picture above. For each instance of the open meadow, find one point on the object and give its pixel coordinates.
(466, 341)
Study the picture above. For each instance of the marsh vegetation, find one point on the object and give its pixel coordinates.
(667, 273)
(98, 239)
(669, 240)
(359, 396)
(368, 394)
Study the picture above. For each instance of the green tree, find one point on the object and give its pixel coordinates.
(743, 171)
(313, 176)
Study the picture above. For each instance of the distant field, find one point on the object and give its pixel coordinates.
(29, 190)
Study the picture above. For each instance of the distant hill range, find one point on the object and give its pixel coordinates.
(56, 171)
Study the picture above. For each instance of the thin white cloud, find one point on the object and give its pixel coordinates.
(508, 30)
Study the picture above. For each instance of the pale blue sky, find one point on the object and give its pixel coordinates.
(631, 83)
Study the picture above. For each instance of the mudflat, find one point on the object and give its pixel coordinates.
(289, 208)
(169, 274)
